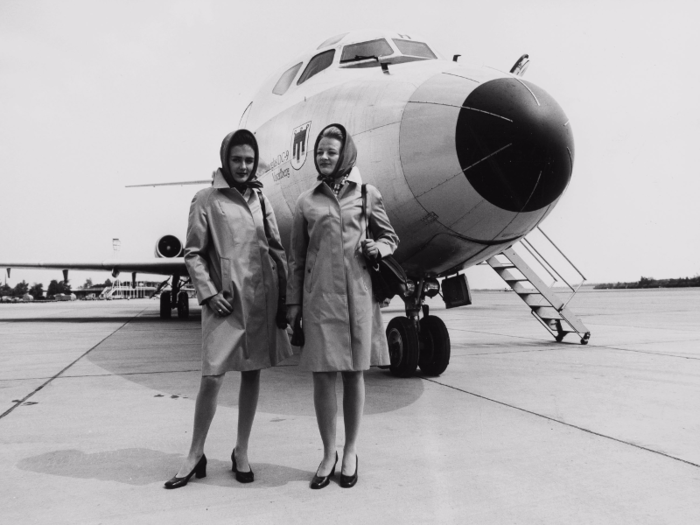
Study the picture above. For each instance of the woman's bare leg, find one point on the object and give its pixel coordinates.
(326, 406)
(353, 407)
(204, 410)
(247, 405)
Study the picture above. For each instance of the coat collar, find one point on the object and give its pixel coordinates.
(354, 177)
(220, 183)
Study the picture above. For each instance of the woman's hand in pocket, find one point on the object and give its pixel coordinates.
(220, 305)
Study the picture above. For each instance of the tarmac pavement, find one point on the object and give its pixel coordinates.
(97, 399)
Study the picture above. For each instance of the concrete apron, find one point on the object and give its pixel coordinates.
(519, 429)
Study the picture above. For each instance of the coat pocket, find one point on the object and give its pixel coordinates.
(363, 269)
(309, 271)
(226, 281)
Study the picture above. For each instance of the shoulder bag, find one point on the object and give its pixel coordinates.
(388, 277)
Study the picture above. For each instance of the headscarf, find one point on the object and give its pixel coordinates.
(225, 153)
(346, 157)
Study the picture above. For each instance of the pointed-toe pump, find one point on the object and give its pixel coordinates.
(241, 477)
(349, 481)
(199, 470)
(318, 482)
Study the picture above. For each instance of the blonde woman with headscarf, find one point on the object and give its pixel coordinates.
(330, 289)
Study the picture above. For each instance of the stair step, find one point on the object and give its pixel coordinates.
(534, 300)
(509, 276)
(494, 263)
(547, 313)
(523, 291)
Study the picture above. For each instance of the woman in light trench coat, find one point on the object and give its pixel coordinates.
(331, 289)
(238, 267)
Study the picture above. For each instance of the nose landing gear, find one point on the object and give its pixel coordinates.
(419, 339)
(404, 351)
(435, 346)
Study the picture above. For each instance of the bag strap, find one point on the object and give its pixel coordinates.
(264, 213)
(368, 234)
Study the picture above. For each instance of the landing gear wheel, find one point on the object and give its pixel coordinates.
(435, 349)
(183, 305)
(165, 312)
(402, 336)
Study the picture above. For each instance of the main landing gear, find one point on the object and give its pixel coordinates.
(175, 298)
(419, 339)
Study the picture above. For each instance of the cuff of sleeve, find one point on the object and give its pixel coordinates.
(384, 249)
(210, 292)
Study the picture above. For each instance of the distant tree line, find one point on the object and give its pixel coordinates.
(37, 289)
(649, 282)
(21, 289)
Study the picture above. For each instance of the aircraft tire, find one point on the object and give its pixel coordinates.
(435, 351)
(165, 311)
(402, 336)
(183, 305)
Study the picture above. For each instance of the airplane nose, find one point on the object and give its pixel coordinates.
(485, 156)
(514, 144)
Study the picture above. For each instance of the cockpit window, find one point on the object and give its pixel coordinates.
(317, 64)
(416, 49)
(286, 80)
(373, 48)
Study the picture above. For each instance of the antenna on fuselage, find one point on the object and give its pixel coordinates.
(520, 66)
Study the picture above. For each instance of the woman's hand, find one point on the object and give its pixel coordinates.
(293, 312)
(220, 305)
(370, 249)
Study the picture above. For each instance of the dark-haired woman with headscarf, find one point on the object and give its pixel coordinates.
(238, 267)
(331, 289)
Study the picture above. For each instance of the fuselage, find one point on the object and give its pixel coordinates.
(468, 159)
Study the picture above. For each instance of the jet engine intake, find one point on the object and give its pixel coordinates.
(168, 247)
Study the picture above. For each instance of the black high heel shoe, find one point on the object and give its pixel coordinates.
(321, 481)
(199, 470)
(241, 477)
(349, 481)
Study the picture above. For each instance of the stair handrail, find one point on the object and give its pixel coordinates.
(562, 254)
(545, 264)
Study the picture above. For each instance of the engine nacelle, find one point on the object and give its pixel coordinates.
(168, 247)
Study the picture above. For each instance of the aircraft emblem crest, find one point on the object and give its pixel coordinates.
(300, 145)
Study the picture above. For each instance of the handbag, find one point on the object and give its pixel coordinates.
(388, 277)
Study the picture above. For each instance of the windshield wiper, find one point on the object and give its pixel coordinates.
(360, 57)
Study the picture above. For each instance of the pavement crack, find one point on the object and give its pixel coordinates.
(548, 418)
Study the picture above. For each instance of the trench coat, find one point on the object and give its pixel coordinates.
(329, 277)
(227, 250)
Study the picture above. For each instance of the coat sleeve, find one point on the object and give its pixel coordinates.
(276, 248)
(297, 255)
(196, 246)
(382, 231)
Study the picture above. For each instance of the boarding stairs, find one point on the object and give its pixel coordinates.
(546, 305)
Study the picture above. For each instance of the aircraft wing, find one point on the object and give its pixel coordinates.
(165, 266)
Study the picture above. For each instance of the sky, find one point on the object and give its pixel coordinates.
(98, 95)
